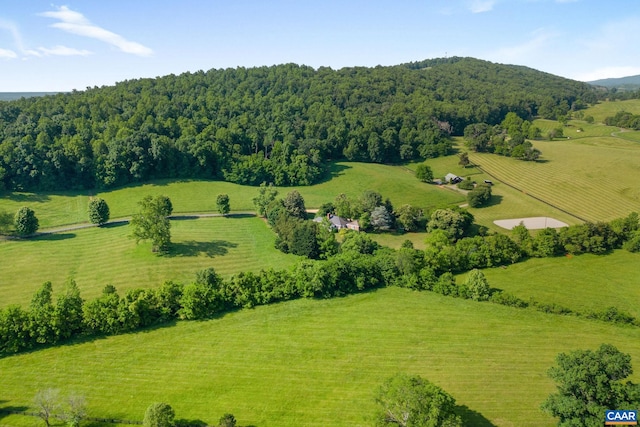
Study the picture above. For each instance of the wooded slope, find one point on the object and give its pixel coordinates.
(278, 123)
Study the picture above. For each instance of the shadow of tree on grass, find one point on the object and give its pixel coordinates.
(472, 418)
(192, 248)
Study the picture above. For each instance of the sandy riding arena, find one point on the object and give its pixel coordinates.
(533, 223)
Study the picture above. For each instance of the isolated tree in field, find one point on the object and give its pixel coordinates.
(412, 401)
(424, 173)
(464, 159)
(294, 204)
(159, 415)
(478, 285)
(25, 221)
(151, 223)
(222, 201)
(479, 196)
(98, 211)
(266, 195)
(75, 410)
(47, 403)
(590, 382)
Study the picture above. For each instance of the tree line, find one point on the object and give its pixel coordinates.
(358, 264)
(276, 124)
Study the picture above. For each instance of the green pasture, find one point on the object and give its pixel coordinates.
(593, 178)
(96, 257)
(318, 362)
(608, 109)
(394, 182)
(582, 283)
(506, 202)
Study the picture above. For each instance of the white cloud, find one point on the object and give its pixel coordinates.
(480, 6)
(538, 42)
(75, 23)
(63, 51)
(7, 54)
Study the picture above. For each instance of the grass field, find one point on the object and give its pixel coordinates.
(99, 256)
(581, 283)
(318, 362)
(592, 178)
(393, 182)
(608, 109)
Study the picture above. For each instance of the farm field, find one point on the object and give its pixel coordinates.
(393, 182)
(318, 362)
(607, 109)
(96, 257)
(582, 283)
(576, 176)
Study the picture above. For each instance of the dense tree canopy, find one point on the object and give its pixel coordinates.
(589, 383)
(276, 124)
(412, 401)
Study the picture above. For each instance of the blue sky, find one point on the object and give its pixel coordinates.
(48, 46)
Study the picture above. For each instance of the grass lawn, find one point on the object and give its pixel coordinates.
(99, 256)
(394, 182)
(593, 178)
(318, 362)
(583, 283)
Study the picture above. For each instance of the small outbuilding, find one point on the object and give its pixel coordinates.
(452, 179)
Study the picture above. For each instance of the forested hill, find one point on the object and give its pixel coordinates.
(278, 124)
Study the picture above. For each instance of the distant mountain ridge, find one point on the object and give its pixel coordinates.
(10, 96)
(621, 83)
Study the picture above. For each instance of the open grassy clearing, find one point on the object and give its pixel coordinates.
(99, 256)
(506, 202)
(393, 182)
(318, 362)
(592, 178)
(582, 283)
(607, 109)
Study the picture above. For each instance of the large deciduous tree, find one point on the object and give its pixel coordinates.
(25, 221)
(479, 196)
(159, 415)
(98, 211)
(152, 222)
(294, 204)
(412, 401)
(454, 222)
(424, 172)
(266, 195)
(590, 382)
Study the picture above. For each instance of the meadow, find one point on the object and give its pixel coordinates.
(591, 178)
(96, 257)
(394, 182)
(603, 110)
(318, 362)
(582, 283)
